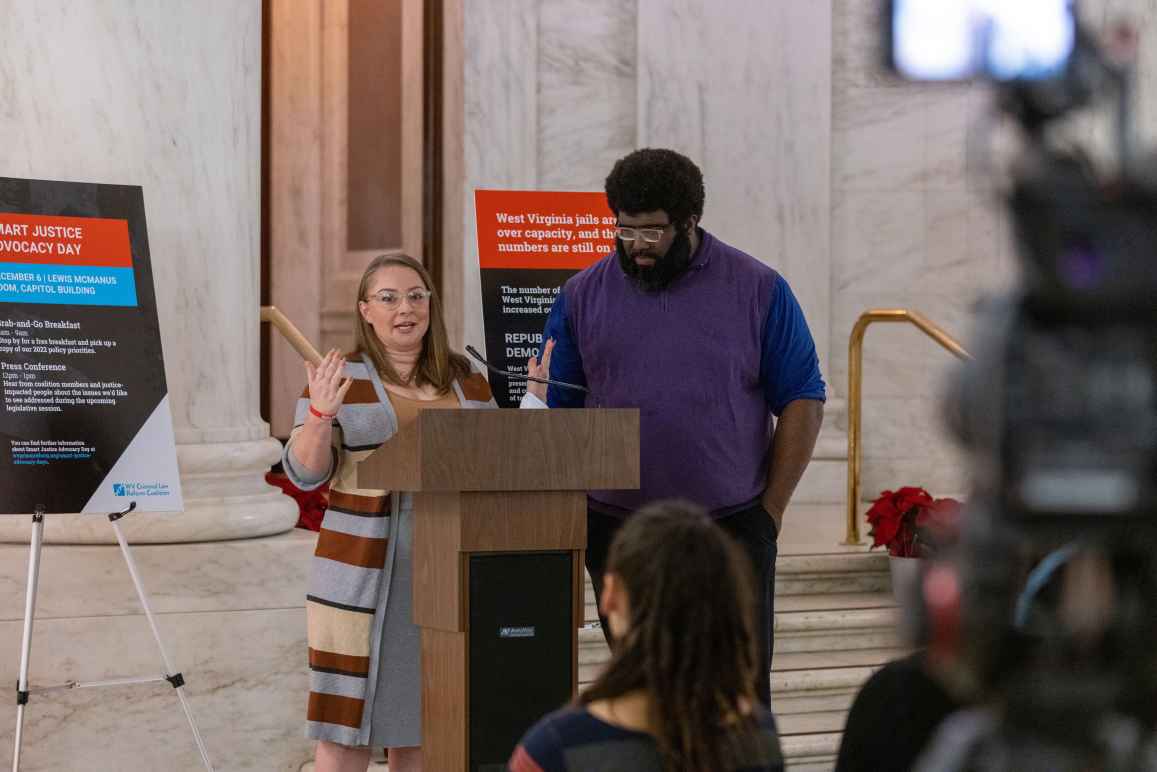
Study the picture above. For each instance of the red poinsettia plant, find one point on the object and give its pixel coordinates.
(910, 523)
(310, 504)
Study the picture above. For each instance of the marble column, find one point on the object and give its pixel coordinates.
(165, 95)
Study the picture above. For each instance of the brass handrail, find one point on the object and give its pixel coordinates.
(855, 398)
(291, 334)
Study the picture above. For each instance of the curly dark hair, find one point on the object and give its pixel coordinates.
(656, 178)
(691, 644)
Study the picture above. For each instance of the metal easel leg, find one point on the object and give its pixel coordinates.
(174, 678)
(26, 638)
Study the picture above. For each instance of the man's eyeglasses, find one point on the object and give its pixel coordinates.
(391, 299)
(649, 235)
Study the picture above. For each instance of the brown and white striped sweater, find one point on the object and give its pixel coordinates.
(348, 585)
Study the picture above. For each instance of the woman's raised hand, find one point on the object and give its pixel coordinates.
(327, 388)
(537, 369)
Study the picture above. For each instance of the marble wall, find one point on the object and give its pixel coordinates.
(917, 222)
(557, 90)
(549, 90)
(915, 225)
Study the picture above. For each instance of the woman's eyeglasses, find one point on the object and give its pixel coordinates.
(391, 299)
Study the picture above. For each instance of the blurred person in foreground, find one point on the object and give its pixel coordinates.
(679, 691)
(899, 708)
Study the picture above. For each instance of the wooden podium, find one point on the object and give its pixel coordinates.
(499, 534)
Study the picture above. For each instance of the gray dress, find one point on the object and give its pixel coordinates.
(396, 720)
(396, 717)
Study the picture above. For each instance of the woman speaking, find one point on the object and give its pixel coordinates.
(365, 686)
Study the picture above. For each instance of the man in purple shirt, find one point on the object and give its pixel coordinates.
(712, 348)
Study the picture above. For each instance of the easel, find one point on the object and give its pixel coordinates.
(175, 679)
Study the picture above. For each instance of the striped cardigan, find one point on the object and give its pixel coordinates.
(349, 581)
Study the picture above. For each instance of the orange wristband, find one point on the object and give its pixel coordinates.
(323, 416)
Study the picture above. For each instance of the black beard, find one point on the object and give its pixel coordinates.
(666, 269)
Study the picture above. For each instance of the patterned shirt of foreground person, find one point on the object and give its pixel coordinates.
(572, 739)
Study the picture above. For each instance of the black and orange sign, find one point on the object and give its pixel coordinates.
(84, 406)
(529, 243)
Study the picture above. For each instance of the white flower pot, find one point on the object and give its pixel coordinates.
(905, 576)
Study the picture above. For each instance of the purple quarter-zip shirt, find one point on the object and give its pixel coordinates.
(708, 362)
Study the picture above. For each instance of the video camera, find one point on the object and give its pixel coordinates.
(1047, 612)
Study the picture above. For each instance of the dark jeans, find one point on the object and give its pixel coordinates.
(753, 528)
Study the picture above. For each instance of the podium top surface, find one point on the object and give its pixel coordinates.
(510, 450)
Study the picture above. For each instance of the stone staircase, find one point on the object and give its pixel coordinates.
(835, 624)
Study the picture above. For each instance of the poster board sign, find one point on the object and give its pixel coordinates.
(84, 409)
(529, 243)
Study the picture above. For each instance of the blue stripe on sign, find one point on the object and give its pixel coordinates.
(74, 285)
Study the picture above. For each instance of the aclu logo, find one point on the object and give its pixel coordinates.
(140, 489)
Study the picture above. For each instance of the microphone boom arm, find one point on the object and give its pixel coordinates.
(472, 352)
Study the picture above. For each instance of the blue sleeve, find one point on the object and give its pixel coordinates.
(789, 368)
(566, 364)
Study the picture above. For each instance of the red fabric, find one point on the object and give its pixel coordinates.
(522, 762)
(310, 504)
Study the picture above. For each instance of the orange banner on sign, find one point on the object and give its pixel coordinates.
(54, 240)
(542, 229)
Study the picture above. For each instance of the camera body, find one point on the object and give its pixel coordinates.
(1077, 432)
(1046, 613)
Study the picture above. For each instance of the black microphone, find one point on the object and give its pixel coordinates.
(470, 350)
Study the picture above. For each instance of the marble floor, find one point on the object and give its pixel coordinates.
(231, 617)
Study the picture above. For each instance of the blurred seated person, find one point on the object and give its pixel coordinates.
(895, 714)
(678, 693)
(900, 710)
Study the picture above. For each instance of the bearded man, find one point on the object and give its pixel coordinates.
(712, 348)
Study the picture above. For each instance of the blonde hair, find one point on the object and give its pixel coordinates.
(437, 365)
